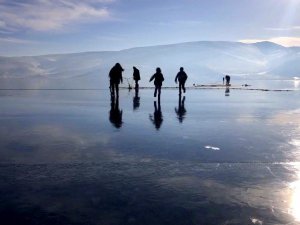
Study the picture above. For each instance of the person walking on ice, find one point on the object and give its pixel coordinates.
(181, 77)
(136, 76)
(158, 80)
(115, 75)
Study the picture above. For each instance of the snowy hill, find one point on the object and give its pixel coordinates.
(205, 62)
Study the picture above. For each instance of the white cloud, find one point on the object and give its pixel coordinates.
(284, 41)
(45, 15)
(283, 28)
(15, 41)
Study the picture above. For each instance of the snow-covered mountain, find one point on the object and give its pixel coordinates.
(204, 62)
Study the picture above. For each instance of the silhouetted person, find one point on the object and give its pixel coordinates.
(136, 76)
(180, 111)
(227, 91)
(115, 75)
(157, 117)
(158, 79)
(181, 77)
(115, 114)
(227, 78)
(223, 80)
(136, 99)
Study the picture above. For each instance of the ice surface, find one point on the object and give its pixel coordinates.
(63, 160)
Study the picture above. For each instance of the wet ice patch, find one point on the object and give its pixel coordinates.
(212, 148)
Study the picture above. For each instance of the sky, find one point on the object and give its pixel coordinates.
(37, 27)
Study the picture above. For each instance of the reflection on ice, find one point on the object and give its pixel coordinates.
(180, 110)
(256, 221)
(212, 148)
(157, 117)
(295, 200)
(115, 114)
(296, 83)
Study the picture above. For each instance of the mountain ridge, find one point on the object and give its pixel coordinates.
(204, 61)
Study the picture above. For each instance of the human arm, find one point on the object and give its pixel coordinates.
(152, 78)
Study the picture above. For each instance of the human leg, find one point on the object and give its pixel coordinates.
(112, 88)
(183, 87)
(159, 90)
(117, 90)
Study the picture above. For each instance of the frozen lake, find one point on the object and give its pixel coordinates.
(209, 157)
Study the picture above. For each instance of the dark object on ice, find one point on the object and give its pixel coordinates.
(136, 99)
(223, 80)
(180, 111)
(157, 117)
(181, 77)
(115, 114)
(115, 76)
(227, 91)
(136, 76)
(246, 85)
(227, 78)
(158, 79)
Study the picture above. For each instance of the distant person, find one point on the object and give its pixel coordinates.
(115, 75)
(227, 78)
(180, 111)
(181, 77)
(223, 80)
(136, 76)
(158, 79)
(115, 114)
(157, 117)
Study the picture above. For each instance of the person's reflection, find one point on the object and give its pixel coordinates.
(227, 91)
(115, 114)
(157, 117)
(136, 99)
(180, 111)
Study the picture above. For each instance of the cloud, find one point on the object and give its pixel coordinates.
(283, 28)
(284, 41)
(15, 41)
(47, 15)
(2, 24)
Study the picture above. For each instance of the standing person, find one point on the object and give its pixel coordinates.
(223, 80)
(136, 76)
(181, 77)
(158, 79)
(227, 78)
(115, 75)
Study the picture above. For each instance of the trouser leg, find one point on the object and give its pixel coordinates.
(117, 89)
(112, 88)
(159, 89)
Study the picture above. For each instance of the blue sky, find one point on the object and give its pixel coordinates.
(34, 27)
